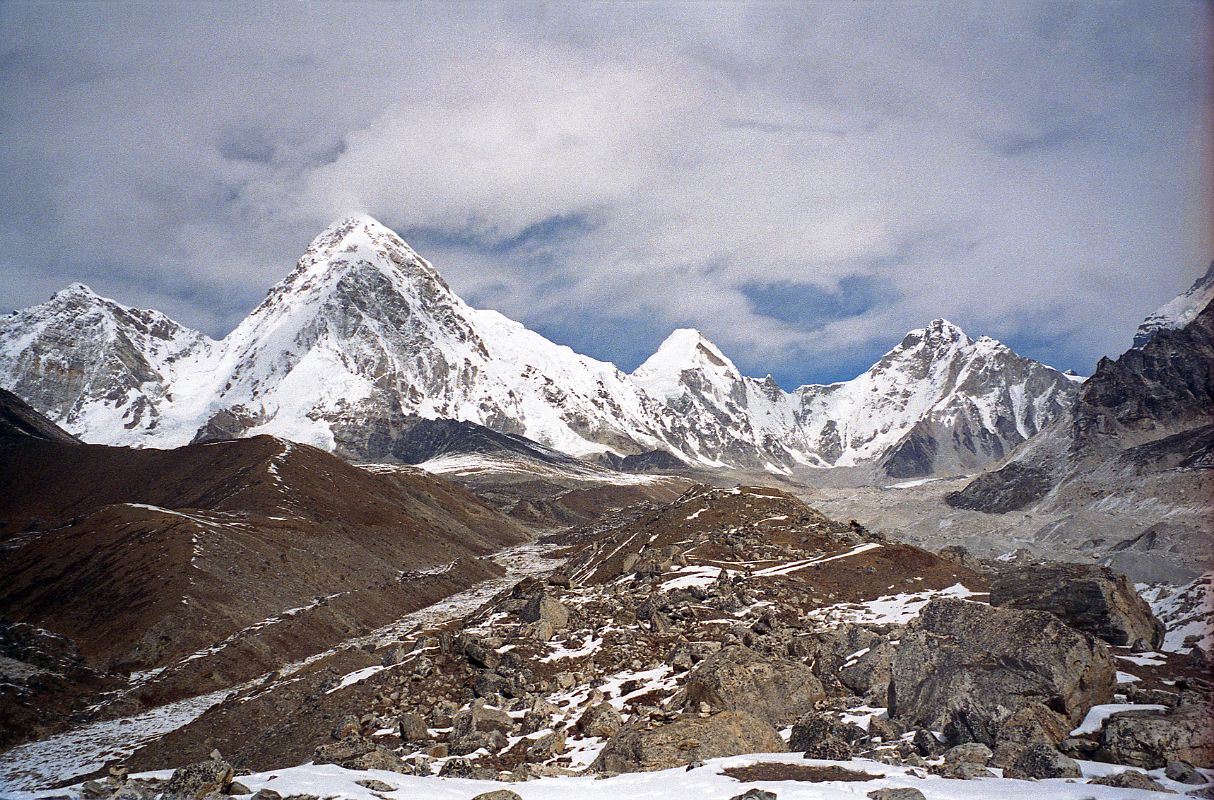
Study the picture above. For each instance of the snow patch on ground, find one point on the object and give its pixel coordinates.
(88, 748)
(1098, 714)
(707, 782)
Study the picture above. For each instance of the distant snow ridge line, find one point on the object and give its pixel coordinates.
(364, 338)
(1179, 311)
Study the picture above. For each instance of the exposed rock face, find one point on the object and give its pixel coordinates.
(1013, 487)
(1180, 311)
(728, 733)
(1086, 596)
(965, 668)
(739, 679)
(1139, 437)
(88, 362)
(18, 419)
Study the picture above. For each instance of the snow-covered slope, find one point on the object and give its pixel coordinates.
(722, 416)
(1186, 611)
(96, 367)
(939, 401)
(364, 337)
(1180, 310)
(365, 330)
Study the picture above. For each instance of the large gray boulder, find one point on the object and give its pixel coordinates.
(601, 720)
(1089, 597)
(196, 781)
(739, 679)
(1149, 739)
(729, 733)
(966, 668)
(1042, 761)
(824, 735)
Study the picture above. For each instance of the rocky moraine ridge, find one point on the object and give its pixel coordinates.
(730, 622)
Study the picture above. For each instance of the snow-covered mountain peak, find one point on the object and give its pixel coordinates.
(358, 243)
(75, 291)
(939, 334)
(1179, 311)
(684, 350)
(364, 337)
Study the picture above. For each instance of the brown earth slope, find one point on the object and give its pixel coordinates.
(218, 562)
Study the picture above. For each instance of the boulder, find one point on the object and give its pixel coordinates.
(357, 753)
(968, 753)
(196, 781)
(729, 733)
(1184, 772)
(1041, 761)
(965, 668)
(824, 736)
(1033, 723)
(828, 650)
(498, 794)
(900, 793)
(601, 720)
(547, 610)
(478, 719)
(868, 675)
(413, 728)
(1089, 597)
(1131, 779)
(926, 743)
(1150, 740)
(739, 679)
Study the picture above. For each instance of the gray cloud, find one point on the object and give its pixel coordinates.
(607, 172)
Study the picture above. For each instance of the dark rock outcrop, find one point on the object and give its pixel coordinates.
(824, 736)
(1086, 596)
(966, 668)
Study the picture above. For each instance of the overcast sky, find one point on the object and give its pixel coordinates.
(802, 182)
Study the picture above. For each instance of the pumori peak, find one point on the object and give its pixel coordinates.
(686, 349)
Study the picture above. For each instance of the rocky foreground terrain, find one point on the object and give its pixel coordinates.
(732, 640)
(508, 571)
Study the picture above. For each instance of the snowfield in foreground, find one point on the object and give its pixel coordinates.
(703, 783)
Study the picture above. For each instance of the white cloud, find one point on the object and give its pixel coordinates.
(1013, 169)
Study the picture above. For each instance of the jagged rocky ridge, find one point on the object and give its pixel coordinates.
(1137, 443)
(364, 338)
